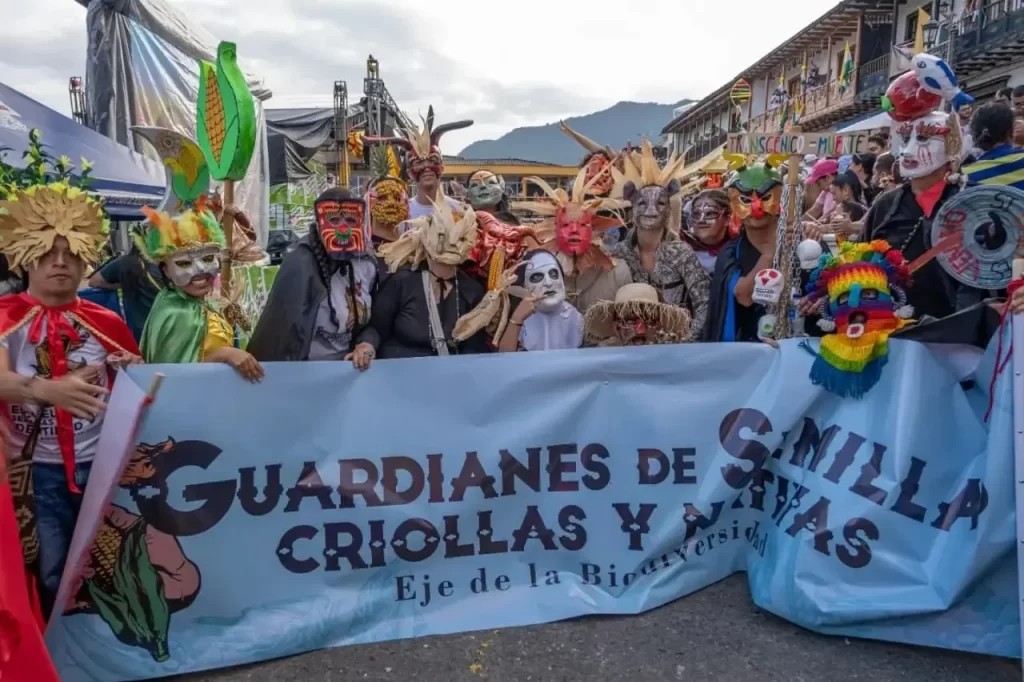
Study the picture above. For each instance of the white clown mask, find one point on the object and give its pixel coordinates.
(184, 266)
(543, 279)
(927, 144)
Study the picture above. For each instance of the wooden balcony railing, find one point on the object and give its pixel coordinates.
(815, 101)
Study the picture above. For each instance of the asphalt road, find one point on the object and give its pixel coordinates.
(715, 634)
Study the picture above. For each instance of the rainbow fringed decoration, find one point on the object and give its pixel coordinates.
(862, 299)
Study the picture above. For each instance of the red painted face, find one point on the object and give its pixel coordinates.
(341, 227)
(574, 230)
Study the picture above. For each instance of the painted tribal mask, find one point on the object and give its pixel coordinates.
(755, 196)
(492, 236)
(862, 301)
(341, 223)
(485, 190)
(422, 145)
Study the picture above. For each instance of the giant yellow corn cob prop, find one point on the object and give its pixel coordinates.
(496, 268)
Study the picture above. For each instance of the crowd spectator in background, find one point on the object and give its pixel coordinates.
(846, 187)
(863, 166)
(1000, 162)
(878, 143)
(816, 192)
(886, 174)
(1004, 95)
(139, 281)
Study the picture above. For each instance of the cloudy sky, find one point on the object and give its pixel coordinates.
(504, 65)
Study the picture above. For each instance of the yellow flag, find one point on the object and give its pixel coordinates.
(922, 19)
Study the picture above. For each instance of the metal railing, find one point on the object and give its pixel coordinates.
(704, 146)
(978, 29)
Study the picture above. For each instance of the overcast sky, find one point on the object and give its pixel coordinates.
(503, 64)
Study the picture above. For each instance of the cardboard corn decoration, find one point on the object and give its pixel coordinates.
(226, 116)
(226, 131)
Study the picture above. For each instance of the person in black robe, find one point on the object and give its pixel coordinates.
(401, 317)
(319, 306)
(755, 196)
(425, 275)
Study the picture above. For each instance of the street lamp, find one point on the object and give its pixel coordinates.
(931, 33)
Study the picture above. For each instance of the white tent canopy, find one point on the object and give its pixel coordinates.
(879, 120)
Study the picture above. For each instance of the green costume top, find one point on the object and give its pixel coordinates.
(181, 328)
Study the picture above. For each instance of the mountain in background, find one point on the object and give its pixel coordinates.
(615, 126)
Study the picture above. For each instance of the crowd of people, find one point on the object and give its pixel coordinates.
(407, 271)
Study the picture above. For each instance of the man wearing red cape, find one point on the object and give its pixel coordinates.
(58, 355)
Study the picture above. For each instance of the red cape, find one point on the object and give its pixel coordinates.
(108, 328)
(23, 654)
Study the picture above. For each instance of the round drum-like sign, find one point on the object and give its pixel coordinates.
(983, 230)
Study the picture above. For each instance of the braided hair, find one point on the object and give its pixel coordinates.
(327, 266)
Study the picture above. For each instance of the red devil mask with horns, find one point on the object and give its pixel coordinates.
(421, 145)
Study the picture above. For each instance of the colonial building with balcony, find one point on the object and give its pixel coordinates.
(809, 69)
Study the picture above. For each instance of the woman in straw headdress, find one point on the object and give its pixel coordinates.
(652, 249)
(428, 306)
(572, 229)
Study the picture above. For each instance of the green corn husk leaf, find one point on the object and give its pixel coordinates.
(136, 610)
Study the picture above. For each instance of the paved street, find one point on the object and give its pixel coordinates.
(716, 634)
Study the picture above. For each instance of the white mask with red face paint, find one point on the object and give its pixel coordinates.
(923, 145)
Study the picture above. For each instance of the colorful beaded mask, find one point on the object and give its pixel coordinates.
(342, 224)
(862, 301)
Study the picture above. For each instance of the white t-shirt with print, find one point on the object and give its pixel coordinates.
(329, 342)
(28, 360)
(418, 210)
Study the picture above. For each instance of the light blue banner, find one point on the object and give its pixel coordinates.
(524, 488)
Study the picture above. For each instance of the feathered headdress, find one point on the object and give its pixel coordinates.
(32, 218)
(558, 199)
(196, 228)
(861, 297)
(421, 142)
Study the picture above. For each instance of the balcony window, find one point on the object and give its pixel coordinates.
(910, 33)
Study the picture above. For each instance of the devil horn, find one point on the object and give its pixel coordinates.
(436, 133)
(397, 141)
(430, 118)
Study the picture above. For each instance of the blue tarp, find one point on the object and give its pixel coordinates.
(125, 178)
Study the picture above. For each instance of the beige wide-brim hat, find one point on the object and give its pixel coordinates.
(638, 301)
